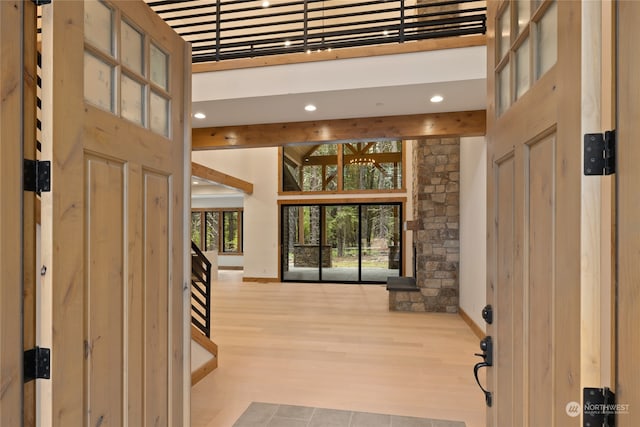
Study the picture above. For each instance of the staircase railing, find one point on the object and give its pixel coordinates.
(233, 29)
(200, 290)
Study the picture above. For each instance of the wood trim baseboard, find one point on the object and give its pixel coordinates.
(473, 325)
(211, 347)
(261, 279)
(204, 341)
(203, 371)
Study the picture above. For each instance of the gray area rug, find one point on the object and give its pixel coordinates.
(274, 415)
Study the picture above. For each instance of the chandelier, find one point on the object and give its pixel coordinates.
(362, 161)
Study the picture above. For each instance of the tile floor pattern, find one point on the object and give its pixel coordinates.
(273, 415)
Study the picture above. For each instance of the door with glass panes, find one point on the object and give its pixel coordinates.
(534, 183)
(115, 95)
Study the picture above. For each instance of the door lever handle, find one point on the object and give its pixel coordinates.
(487, 394)
(486, 345)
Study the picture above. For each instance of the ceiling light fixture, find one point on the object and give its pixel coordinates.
(385, 33)
(200, 115)
(310, 107)
(265, 4)
(194, 182)
(287, 43)
(437, 98)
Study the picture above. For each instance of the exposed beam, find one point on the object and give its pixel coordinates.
(204, 172)
(464, 123)
(346, 53)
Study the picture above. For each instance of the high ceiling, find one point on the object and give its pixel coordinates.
(350, 88)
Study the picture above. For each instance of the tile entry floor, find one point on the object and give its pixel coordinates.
(273, 415)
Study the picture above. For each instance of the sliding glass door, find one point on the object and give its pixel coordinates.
(343, 243)
(300, 241)
(341, 235)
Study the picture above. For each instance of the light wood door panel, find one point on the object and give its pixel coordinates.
(539, 282)
(11, 398)
(534, 223)
(115, 97)
(504, 304)
(628, 214)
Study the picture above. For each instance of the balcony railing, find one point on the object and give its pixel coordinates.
(232, 29)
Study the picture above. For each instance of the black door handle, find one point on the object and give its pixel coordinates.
(486, 345)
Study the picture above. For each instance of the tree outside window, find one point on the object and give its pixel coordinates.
(208, 225)
(352, 166)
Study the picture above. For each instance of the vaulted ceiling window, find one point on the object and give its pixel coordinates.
(346, 167)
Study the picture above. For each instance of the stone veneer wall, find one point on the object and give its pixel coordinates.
(436, 205)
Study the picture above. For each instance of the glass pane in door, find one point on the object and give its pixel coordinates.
(340, 251)
(380, 242)
(300, 242)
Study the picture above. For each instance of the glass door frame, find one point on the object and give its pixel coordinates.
(322, 205)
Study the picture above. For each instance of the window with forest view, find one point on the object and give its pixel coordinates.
(341, 242)
(208, 225)
(352, 166)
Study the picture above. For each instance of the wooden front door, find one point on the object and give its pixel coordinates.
(116, 85)
(628, 215)
(534, 146)
(11, 376)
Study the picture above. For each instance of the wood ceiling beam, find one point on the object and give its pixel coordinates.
(213, 175)
(464, 123)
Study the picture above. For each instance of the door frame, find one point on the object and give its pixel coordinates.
(11, 224)
(627, 216)
(400, 202)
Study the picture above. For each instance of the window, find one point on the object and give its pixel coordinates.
(372, 165)
(345, 167)
(207, 225)
(125, 73)
(526, 47)
(342, 242)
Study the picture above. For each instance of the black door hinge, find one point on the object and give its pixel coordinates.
(37, 364)
(37, 175)
(599, 408)
(600, 153)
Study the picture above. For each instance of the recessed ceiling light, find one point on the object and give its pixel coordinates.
(287, 43)
(200, 115)
(194, 182)
(385, 33)
(310, 107)
(437, 98)
(265, 4)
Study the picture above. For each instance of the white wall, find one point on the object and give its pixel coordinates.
(260, 167)
(473, 220)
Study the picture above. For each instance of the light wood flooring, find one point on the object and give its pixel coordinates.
(334, 346)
